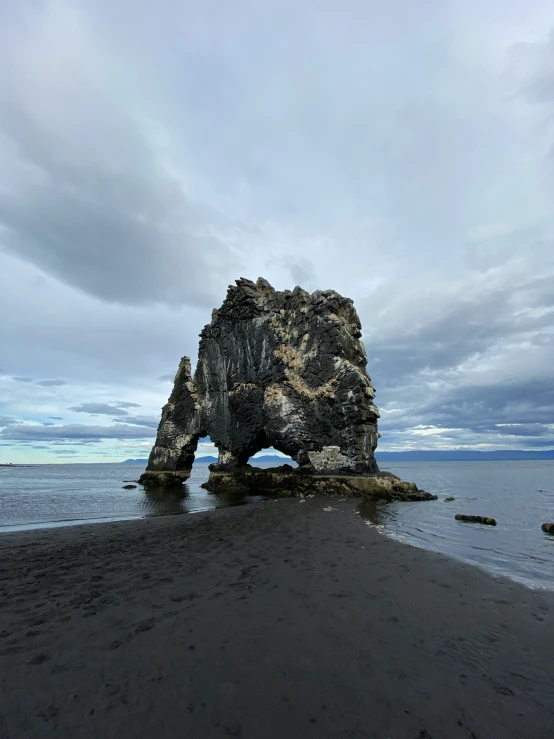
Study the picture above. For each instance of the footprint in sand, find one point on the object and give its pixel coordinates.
(38, 659)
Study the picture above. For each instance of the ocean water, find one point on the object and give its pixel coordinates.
(65, 494)
(520, 495)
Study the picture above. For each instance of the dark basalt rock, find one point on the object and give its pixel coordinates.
(275, 369)
(475, 519)
(285, 482)
(548, 528)
(128, 487)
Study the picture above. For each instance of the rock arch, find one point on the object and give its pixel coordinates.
(275, 369)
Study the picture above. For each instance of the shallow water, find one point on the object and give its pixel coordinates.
(66, 494)
(520, 495)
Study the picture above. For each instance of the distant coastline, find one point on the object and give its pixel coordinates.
(423, 455)
(464, 455)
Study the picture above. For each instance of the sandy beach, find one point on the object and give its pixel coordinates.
(280, 619)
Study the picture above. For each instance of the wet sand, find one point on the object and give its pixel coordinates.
(264, 621)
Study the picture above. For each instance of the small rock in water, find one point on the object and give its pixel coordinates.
(475, 519)
(129, 487)
(448, 500)
(548, 528)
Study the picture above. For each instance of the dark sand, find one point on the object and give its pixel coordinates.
(264, 621)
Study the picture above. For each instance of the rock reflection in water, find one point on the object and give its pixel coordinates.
(234, 498)
(169, 501)
(164, 501)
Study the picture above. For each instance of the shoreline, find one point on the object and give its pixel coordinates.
(372, 520)
(264, 620)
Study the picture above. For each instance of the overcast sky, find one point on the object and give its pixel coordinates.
(401, 153)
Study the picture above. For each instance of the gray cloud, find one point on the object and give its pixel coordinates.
(148, 421)
(350, 150)
(301, 270)
(51, 383)
(66, 441)
(76, 431)
(445, 330)
(135, 229)
(7, 421)
(105, 409)
(76, 337)
(56, 418)
(523, 429)
(531, 66)
(517, 402)
(126, 404)
(23, 379)
(531, 70)
(510, 415)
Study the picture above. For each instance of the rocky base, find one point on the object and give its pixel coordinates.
(154, 479)
(285, 482)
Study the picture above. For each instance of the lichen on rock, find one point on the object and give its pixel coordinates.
(275, 369)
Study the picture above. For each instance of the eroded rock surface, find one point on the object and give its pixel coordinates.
(284, 370)
(285, 481)
(281, 369)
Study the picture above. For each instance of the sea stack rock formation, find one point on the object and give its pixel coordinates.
(275, 369)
